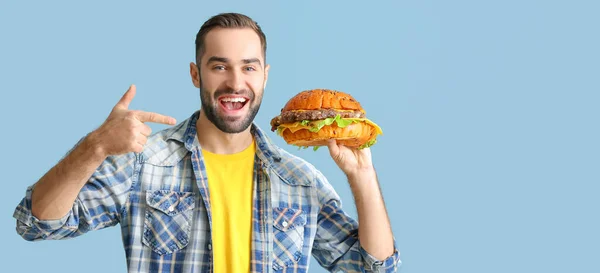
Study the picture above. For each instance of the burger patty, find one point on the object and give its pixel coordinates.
(294, 116)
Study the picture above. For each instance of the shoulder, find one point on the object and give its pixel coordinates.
(295, 170)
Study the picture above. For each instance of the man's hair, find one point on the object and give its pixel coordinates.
(228, 20)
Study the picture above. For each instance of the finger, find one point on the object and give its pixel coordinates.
(145, 130)
(334, 150)
(154, 117)
(138, 148)
(141, 139)
(127, 97)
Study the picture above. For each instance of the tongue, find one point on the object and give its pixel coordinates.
(233, 105)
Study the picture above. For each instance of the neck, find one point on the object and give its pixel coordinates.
(216, 141)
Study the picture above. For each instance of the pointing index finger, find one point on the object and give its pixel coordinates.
(154, 117)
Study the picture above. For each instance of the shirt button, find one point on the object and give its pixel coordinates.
(209, 247)
(171, 208)
(284, 224)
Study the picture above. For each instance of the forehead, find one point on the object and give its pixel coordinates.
(232, 43)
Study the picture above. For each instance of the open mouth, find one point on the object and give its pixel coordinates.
(233, 103)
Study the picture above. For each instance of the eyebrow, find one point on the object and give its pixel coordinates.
(251, 60)
(225, 60)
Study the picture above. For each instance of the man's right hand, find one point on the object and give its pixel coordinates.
(124, 130)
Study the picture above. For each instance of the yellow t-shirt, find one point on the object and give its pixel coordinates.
(230, 181)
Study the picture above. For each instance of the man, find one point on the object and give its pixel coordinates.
(212, 194)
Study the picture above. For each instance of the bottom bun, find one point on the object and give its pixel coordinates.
(353, 135)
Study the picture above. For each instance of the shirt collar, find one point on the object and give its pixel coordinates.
(185, 133)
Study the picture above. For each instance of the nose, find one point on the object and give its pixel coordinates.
(235, 80)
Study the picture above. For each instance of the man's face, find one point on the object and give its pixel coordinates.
(232, 78)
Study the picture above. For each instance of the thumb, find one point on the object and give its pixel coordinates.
(334, 150)
(127, 97)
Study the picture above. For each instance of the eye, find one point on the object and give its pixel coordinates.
(249, 68)
(219, 67)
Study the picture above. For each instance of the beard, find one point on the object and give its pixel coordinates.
(230, 125)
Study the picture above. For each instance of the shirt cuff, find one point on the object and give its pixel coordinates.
(29, 225)
(390, 264)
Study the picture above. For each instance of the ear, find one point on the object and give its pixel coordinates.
(267, 67)
(195, 74)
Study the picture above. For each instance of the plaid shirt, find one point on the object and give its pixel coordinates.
(161, 200)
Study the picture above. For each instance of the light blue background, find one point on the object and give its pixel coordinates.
(490, 158)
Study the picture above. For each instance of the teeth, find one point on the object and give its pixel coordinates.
(234, 100)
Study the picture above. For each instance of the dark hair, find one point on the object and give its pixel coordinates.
(228, 20)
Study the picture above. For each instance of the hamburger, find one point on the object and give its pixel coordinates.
(312, 117)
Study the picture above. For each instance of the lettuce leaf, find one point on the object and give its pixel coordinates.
(341, 122)
(368, 144)
(306, 147)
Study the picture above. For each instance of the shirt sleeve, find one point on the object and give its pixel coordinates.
(98, 205)
(337, 246)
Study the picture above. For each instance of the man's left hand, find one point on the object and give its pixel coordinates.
(353, 162)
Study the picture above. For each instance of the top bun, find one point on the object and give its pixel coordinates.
(317, 99)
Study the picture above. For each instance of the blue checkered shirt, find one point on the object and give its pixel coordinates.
(161, 200)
